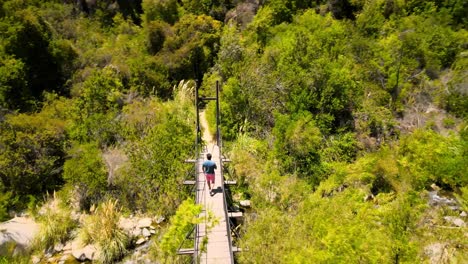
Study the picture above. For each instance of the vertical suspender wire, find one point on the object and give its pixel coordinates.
(220, 145)
(197, 158)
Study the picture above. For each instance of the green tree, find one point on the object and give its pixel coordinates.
(297, 144)
(27, 38)
(14, 91)
(86, 173)
(32, 155)
(434, 158)
(165, 10)
(191, 48)
(95, 109)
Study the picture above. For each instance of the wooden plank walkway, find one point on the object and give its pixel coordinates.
(218, 249)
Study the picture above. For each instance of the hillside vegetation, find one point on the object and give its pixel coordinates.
(343, 121)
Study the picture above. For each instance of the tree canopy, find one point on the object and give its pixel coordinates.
(341, 118)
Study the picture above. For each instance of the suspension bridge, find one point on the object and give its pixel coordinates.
(212, 240)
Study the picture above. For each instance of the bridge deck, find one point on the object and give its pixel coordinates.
(218, 248)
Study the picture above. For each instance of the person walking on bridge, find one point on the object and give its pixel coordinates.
(209, 168)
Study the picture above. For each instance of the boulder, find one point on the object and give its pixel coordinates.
(245, 203)
(455, 221)
(59, 247)
(19, 230)
(90, 252)
(35, 259)
(145, 232)
(127, 224)
(160, 220)
(83, 253)
(144, 222)
(437, 253)
(136, 232)
(67, 258)
(436, 200)
(140, 241)
(68, 246)
(463, 214)
(368, 197)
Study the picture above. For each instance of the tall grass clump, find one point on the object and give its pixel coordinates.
(101, 229)
(56, 224)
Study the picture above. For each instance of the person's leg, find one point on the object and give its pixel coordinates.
(208, 181)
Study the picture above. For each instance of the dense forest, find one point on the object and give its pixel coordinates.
(343, 120)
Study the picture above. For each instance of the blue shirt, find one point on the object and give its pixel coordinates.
(209, 166)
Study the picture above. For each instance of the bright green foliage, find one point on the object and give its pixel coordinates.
(86, 171)
(149, 76)
(231, 51)
(296, 145)
(157, 165)
(337, 223)
(234, 120)
(260, 26)
(332, 107)
(371, 19)
(463, 197)
(247, 155)
(102, 230)
(13, 83)
(338, 229)
(101, 92)
(181, 224)
(435, 159)
(340, 148)
(405, 211)
(214, 8)
(300, 70)
(457, 98)
(160, 136)
(96, 108)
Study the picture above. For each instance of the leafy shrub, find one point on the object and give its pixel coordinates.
(5, 202)
(297, 142)
(156, 36)
(434, 158)
(13, 83)
(186, 216)
(340, 148)
(463, 197)
(181, 223)
(159, 137)
(165, 10)
(86, 171)
(32, 155)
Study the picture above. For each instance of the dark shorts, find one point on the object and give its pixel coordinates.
(210, 178)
